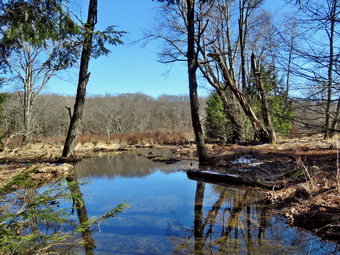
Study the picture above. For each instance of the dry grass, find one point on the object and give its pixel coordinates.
(156, 138)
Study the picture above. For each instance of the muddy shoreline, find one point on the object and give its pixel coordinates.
(302, 175)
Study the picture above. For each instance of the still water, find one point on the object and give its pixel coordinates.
(171, 214)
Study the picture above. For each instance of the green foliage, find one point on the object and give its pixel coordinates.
(217, 125)
(47, 24)
(219, 128)
(31, 221)
(41, 24)
(109, 36)
(282, 114)
(280, 107)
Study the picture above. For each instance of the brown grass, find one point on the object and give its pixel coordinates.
(157, 138)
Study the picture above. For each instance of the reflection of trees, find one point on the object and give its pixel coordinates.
(229, 224)
(80, 206)
(126, 165)
(198, 218)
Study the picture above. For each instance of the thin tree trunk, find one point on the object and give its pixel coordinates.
(83, 218)
(263, 100)
(28, 90)
(335, 120)
(82, 82)
(192, 68)
(330, 72)
(242, 33)
(198, 217)
(289, 69)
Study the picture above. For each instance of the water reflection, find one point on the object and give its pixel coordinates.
(126, 165)
(171, 214)
(79, 204)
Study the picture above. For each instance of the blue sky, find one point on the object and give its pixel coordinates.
(129, 68)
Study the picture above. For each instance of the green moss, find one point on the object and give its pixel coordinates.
(298, 174)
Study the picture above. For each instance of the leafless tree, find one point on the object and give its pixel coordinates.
(31, 70)
(317, 54)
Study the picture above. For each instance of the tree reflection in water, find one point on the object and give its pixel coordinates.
(171, 214)
(235, 224)
(80, 206)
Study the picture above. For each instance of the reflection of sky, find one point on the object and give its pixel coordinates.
(161, 217)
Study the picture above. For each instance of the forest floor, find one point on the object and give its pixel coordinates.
(303, 173)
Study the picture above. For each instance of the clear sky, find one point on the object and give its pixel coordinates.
(129, 68)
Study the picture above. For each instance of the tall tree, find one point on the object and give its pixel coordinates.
(219, 50)
(38, 39)
(109, 35)
(263, 99)
(317, 53)
(84, 76)
(192, 56)
(188, 8)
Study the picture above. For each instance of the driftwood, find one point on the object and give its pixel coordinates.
(232, 179)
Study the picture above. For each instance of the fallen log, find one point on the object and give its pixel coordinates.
(232, 179)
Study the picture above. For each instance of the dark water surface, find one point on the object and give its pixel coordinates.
(170, 214)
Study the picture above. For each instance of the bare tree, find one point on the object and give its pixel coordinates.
(263, 99)
(32, 70)
(317, 51)
(184, 48)
(219, 49)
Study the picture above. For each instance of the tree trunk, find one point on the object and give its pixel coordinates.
(198, 217)
(83, 218)
(28, 91)
(260, 132)
(263, 100)
(335, 123)
(242, 22)
(192, 68)
(82, 82)
(27, 125)
(330, 72)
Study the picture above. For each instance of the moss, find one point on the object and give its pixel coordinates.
(297, 174)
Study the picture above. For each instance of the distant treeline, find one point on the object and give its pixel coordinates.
(127, 114)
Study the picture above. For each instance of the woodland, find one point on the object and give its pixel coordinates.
(274, 85)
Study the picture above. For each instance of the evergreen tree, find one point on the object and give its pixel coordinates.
(281, 109)
(218, 127)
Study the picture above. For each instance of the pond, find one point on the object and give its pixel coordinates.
(171, 214)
